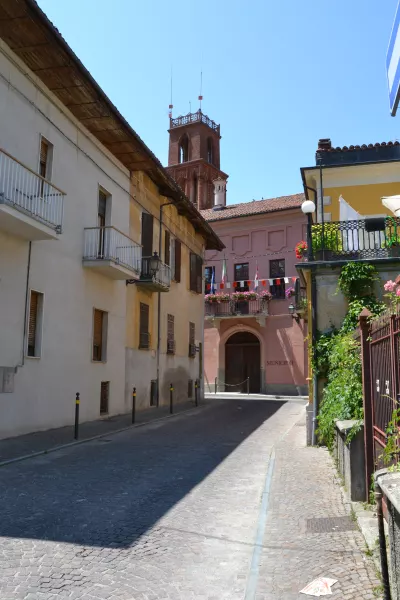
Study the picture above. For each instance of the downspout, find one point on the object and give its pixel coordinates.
(28, 272)
(159, 306)
(314, 343)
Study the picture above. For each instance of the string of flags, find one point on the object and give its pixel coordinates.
(228, 285)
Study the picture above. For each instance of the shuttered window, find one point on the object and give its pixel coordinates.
(172, 258)
(99, 317)
(44, 156)
(196, 273)
(147, 235)
(167, 248)
(170, 334)
(34, 324)
(144, 335)
(178, 254)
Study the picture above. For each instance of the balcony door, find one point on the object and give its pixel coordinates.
(241, 276)
(101, 223)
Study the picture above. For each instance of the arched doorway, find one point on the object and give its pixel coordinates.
(242, 361)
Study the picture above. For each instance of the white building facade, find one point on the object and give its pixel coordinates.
(62, 319)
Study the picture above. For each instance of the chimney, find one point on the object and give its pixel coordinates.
(324, 144)
(219, 193)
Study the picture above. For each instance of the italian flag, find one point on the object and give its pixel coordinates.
(223, 278)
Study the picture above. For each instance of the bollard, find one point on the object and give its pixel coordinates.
(77, 402)
(215, 384)
(171, 399)
(248, 385)
(196, 390)
(133, 405)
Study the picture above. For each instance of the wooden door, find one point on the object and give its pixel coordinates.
(242, 361)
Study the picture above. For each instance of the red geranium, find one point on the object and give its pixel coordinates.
(301, 249)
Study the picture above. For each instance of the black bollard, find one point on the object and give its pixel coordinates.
(248, 385)
(171, 399)
(77, 402)
(133, 405)
(196, 391)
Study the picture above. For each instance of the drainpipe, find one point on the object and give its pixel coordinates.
(159, 306)
(28, 272)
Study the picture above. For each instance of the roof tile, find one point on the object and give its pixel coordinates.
(254, 208)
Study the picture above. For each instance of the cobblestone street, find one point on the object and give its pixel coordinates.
(223, 503)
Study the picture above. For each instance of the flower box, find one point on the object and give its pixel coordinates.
(216, 298)
(244, 296)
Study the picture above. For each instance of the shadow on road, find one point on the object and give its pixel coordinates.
(108, 493)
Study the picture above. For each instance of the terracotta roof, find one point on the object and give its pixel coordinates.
(257, 207)
(326, 147)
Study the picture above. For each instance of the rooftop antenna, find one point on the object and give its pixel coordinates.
(171, 106)
(201, 87)
(190, 106)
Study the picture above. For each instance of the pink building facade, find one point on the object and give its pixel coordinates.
(256, 345)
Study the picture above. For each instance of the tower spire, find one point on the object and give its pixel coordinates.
(201, 87)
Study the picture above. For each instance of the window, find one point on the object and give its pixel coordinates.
(35, 324)
(45, 158)
(171, 335)
(208, 274)
(183, 149)
(144, 335)
(99, 335)
(192, 341)
(147, 235)
(178, 254)
(210, 151)
(167, 248)
(241, 273)
(277, 271)
(101, 222)
(196, 273)
(104, 397)
(153, 392)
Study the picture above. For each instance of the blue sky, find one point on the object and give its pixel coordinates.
(277, 75)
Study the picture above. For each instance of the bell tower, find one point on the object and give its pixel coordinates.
(194, 157)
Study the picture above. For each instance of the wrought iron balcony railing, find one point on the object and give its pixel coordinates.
(26, 191)
(368, 238)
(161, 277)
(197, 117)
(232, 308)
(110, 244)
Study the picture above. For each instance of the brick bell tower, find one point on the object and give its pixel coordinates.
(194, 157)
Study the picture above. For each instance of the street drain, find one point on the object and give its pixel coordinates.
(330, 525)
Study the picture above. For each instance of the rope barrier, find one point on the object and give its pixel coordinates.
(231, 384)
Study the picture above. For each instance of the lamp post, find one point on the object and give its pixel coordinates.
(308, 208)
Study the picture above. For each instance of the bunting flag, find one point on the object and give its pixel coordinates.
(208, 286)
(264, 282)
(294, 279)
(277, 282)
(286, 279)
(221, 285)
(271, 281)
(228, 285)
(235, 284)
(213, 286)
(241, 283)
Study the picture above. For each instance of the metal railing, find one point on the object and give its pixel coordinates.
(162, 276)
(28, 192)
(197, 117)
(233, 308)
(369, 238)
(108, 243)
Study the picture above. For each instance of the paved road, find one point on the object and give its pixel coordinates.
(172, 511)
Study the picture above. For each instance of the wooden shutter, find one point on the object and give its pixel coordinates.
(147, 235)
(144, 338)
(192, 335)
(193, 272)
(167, 248)
(97, 334)
(33, 311)
(170, 331)
(199, 274)
(178, 255)
(44, 153)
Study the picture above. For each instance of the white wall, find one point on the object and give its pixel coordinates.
(44, 389)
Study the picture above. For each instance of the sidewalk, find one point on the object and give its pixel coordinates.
(42, 441)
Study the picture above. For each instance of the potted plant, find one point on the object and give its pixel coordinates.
(244, 296)
(214, 298)
(326, 241)
(301, 250)
(265, 295)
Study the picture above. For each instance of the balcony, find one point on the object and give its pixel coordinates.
(197, 117)
(111, 253)
(231, 308)
(30, 207)
(374, 238)
(155, 275)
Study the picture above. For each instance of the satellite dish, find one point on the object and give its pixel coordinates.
(392, 203)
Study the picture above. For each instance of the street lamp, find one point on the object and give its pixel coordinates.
(292, 312)
(308, 208)
(154, 264)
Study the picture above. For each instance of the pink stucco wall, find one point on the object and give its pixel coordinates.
(259, 239)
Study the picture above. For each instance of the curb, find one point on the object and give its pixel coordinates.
(11, 461)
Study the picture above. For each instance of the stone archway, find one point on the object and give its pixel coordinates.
(242, 362)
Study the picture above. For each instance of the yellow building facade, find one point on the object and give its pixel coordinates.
(164, 341)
